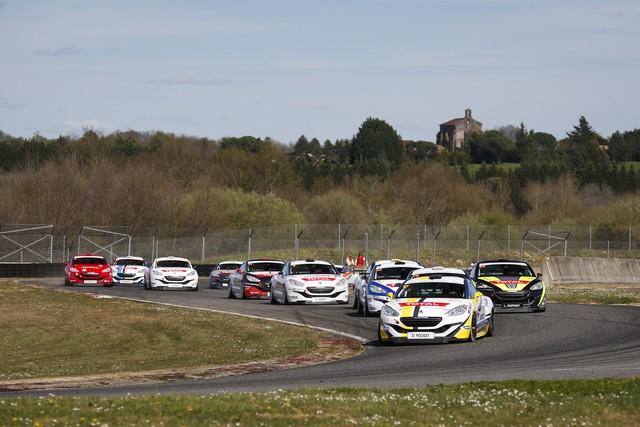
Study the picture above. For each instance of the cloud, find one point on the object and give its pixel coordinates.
(191, 80)
(64, 50)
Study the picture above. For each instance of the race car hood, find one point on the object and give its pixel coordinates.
(90, 268)
(508, 283)
(318, 279)
(389, 285)
(426, 307)
(129, 268)
(263, 274)
(173, 270)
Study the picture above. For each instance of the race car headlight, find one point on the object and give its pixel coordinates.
(387, 310)
(252, 279)
(375, 289)
(73, 269)
(295, 285)
(342, 283)
(457, 311)
(536, 287)
(192, 273)
(107, 270)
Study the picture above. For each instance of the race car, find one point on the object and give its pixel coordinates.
(348, 273)
(219, 276)
(512, 285)
(128, 270)
(88, 269)
(253, 278)
(171, 273)
(436, 309)
(372, 289)
(309, 282)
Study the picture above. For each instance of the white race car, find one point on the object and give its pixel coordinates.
(309, 282)
(171, 273)
(128, 270)
(372, 289)
(436, 309)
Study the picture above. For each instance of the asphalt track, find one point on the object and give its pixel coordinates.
(565, 342)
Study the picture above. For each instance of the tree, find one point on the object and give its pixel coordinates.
(582, 132)
(377, 141)
(491, 147)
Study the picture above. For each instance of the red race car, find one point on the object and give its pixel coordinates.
(88, 269)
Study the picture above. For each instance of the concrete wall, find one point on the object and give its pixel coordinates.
(591, 270)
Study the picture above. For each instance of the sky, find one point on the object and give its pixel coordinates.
(286, 68)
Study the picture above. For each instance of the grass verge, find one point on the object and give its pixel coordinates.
(510, 403)
(49, 333)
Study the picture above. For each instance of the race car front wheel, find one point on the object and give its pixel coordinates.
(473, 331)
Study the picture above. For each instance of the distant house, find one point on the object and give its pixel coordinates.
(455, 133)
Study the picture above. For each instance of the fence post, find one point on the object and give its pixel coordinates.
(433, 254)
(203, 243)
(249, 243)
(344, 236)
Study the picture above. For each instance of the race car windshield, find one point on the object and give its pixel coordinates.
(432, 290)
(312, 269)
(89, 260)
(129, 262)
(265, 266)
(174, 264)
(513, 270)
(228, 266)
(393, 273)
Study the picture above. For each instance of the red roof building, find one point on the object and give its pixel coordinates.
(455, 133)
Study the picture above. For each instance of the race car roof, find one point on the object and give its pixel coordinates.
(427, 271)
(437, 279)
(396, 263)
(310, 261)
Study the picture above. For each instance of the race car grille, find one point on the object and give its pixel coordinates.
(512, 296)
(89, 274)
(126, 275)
(421, 322)
(320, 289)
(401, 330)
(174, 278)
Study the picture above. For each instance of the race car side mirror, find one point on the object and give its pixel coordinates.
(539, 275)
(390, 294)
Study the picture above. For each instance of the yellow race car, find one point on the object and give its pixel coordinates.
(436, 309)
(512, 285)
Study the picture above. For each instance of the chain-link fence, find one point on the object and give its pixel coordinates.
(333, 242)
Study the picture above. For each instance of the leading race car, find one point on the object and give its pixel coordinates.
(512, 285)
(128, 270)
(436, 309)
(171, 273)
(309, 282)
(371, 290)
(253, 278)
(88, 269)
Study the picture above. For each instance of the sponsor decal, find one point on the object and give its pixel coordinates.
(424, 304)
(173, 270)
(316, 278)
